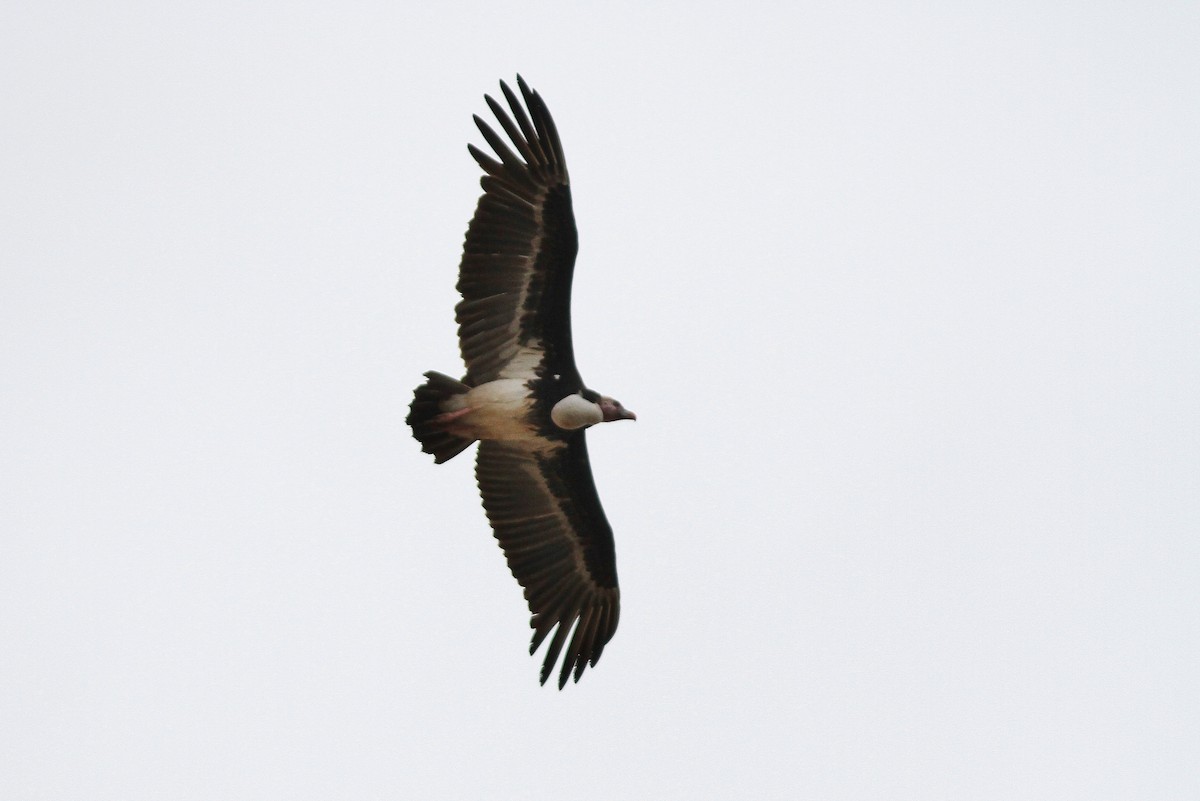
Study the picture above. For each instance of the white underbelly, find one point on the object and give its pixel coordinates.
(499, 410)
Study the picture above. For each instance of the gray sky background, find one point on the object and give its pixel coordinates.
(907, 299)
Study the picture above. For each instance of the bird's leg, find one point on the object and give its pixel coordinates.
(444, 419)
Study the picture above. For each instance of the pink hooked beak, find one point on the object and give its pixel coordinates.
(613, 410)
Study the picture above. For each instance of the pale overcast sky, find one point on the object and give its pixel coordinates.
(906, 297)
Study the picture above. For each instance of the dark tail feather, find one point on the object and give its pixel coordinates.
(426, 405)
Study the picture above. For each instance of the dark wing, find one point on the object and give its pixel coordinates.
(545, 512)
(514, 318)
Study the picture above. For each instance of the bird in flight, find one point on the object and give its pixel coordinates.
(522, 397)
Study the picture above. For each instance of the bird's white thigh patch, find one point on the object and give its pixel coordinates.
(499, 410)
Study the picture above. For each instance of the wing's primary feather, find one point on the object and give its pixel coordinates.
(545, 512)
(514, 319)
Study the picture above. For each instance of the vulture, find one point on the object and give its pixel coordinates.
(522, 397)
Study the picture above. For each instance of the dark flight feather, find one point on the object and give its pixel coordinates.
(519, 254)
(558, 544)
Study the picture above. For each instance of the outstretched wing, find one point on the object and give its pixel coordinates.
(544, 510)
(514, 319)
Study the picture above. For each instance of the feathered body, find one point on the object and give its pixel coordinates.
(522, 396)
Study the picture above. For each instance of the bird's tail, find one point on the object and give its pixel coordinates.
(426, 407)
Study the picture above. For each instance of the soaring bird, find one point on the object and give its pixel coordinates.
(522, 397)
